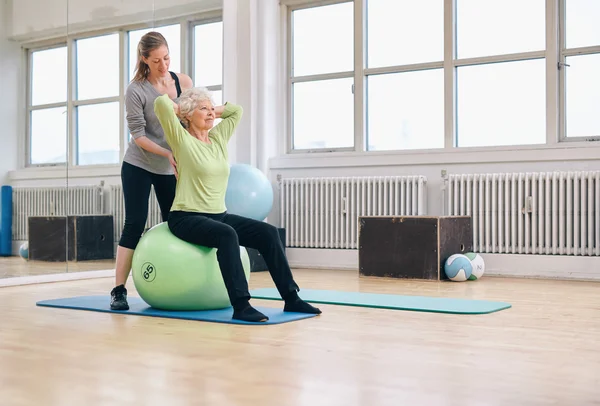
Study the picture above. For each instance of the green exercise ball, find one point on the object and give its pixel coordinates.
(172, 274)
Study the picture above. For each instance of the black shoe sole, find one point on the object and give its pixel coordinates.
(126, 307)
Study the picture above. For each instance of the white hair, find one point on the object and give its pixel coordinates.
(189, 100)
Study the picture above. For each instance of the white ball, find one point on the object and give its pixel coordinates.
(478, 265)
(458, 268)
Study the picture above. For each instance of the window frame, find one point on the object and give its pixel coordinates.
(291, 80)
(562, 67)
(186, 24)
(191, 42)
(554, 54)
(29, 108)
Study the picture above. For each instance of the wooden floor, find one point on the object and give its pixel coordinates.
(542, 351)
(11, 267)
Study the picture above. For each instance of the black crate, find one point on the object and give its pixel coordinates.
(72, 238)
(411, 247)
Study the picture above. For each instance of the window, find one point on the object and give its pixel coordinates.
(405, 103)
(403, 32)
(580, 62)
(501, 103)
(482, 27)
(501, 99)
(84, 124)
(97, 132)
(322, 77)
(442, 73)
(208, 59)
(47, 107)
(406, 110)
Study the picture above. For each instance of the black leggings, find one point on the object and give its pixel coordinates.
(226, 232)
(136, 191)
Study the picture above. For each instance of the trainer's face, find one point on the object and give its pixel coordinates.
(159, 61)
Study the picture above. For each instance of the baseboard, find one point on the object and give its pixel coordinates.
(57, 277)
(506, 265)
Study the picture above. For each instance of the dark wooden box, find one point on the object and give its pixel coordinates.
(257, 262)
(411, 247)
(72, 238)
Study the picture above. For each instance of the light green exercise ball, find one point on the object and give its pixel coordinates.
(172, 274)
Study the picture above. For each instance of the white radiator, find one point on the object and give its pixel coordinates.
(117, 210)
(323, 212)
(53, 201)
(554, 213)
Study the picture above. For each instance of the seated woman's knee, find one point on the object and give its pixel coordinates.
(228, 235)
(269, 232)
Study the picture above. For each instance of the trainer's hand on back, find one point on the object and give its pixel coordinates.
(173, 164)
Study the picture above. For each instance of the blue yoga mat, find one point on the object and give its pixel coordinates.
(387, 301)
(140, 308)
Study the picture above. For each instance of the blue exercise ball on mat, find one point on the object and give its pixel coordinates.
(172, 274)
(458, 268)
(249, 192)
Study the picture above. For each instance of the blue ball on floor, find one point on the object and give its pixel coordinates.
(249, 192)
(24, 250)
(458, 268)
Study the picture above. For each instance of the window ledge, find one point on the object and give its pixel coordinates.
(510, 154)
(62, 172)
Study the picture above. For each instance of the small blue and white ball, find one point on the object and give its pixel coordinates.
(458, 268)
(478, 265)
(24, 250)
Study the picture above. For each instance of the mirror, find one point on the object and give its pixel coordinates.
(70, 65)
(103, 39)
(34, 154)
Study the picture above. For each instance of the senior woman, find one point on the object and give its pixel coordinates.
(199, 215)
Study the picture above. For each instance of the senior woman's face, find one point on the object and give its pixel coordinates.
(204, 115)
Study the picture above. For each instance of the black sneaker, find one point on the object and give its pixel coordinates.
(118, 298)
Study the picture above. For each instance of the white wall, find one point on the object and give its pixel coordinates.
(9, 83)
(37, 19)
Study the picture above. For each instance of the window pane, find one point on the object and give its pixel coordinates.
(501, 104)
(402, 32)
(217, 97)
(323, 114)
(49, 76)
(208, 54)
(500, 27)
(98, 134)
(317, 46)
(413, 118)
(49, 136)
(582, 23)
(172, 34)
(98, 67)
(583, 96)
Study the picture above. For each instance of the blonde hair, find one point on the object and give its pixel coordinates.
(148, 43)
(189, 100)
